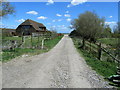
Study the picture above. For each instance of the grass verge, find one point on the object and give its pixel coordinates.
(10, 54)
(103, 68)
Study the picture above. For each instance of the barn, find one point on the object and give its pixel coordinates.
(29, 26)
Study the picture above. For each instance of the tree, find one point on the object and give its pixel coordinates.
(116, 30)
(53, 32)
(6, 8)
(73, 33)
(116, 34)
(89, 26)
(106, 33)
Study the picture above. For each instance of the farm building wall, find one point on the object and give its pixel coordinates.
(20, 31)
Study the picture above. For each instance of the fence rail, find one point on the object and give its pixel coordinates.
(103, 49)
(98, 48)
(32, 41)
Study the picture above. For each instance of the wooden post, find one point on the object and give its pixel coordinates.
(31, 39)
(22, 38)
(42, 44)
(83, 46)
(99, 51)
(38, 39)
(90, 46)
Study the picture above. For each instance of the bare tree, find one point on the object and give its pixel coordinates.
(6, 8)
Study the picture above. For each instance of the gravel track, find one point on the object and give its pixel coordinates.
(61, 67)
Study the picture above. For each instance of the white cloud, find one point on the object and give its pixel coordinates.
(59, 15)
(112, 22)
(68, 19)
(110, 16)
(32, 12)
(53, 20)
(70, 25)
(67, 12)
(67, 15)
(42, 17)
(50, 2)
(54, 26)
(48, 23)
(20, 20)
(62, 26)
(59, 20)
(69, 5)
(76, 2)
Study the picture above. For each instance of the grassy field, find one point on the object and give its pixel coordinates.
(10, 54)
(11, 38)
(104, 68)
(51, 43)
(109, 41)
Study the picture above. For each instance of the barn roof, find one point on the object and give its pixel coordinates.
(35, 24)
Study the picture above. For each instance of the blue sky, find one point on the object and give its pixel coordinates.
(58, 15)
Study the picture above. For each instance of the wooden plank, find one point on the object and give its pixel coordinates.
(110, 55)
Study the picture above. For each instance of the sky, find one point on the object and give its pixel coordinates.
(58, 15)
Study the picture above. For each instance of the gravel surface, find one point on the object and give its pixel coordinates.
(62, 67)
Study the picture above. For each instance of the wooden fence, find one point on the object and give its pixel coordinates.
(32, 41)
(99, 51)
(11, 44)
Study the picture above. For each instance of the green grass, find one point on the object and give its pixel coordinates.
(12, 38)
(35, 41)
(104, 68)
(10, 54)
(112, 45)
(51, 43)
(109, 41)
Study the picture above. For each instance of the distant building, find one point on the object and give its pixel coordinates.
(8, 32)
(29, 26)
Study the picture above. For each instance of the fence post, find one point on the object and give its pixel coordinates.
(42, 44)
(31, 39)
(83, 43)
(22, 38)
(90, 46)
(99, 51)
(38, 39)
